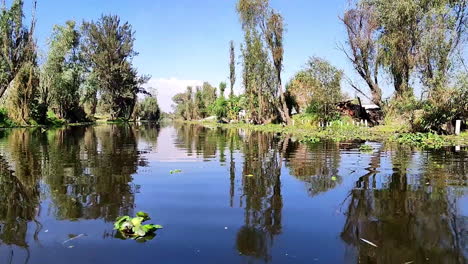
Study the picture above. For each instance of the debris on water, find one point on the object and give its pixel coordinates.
(225, 227)
(249, 175)
(71, 246)
(47, 230)
(175, 171)
(368, 242)
(409, 262)
(73, 238)
(333, 178)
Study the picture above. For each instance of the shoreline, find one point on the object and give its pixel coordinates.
(339, 132)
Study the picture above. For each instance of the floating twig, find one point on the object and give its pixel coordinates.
(368, 242)
(73, 238)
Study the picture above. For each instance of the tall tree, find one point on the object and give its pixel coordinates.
(399, 39)
(362, 27)
(18, 64)
(274, 36)
(62, 73)
(258, 18)
(16, 41)
(232, 67)
(222, 89)
(108, 45)
(443, 29)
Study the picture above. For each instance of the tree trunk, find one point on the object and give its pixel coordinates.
(283, 109)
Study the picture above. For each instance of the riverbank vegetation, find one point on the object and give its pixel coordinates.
(87, 72)
(417, 45)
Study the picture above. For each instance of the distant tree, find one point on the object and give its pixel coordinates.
(317, 88)
(108, 46)
(149, 109)
(222, 88)
(232, 67)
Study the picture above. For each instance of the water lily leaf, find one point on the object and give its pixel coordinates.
(132, 228)
(144, 215)
(120, 220)
(138, 231)
(136, 221)
(151, 228)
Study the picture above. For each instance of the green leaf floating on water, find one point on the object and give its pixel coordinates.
(175, 171)
(134, 228)
(144, 215)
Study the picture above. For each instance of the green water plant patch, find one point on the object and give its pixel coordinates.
(133, 227)
(366, 148)
(175, 171)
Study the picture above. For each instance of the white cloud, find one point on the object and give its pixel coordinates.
(167, 88)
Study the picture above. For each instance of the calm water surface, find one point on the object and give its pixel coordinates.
(60, 191)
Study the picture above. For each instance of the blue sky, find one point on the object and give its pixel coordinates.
(185, 42)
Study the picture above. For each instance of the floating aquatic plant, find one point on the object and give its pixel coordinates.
(133, 227)
(175, 171)
(366, 148)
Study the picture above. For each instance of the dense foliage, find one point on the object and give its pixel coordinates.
(410, 43)
(316, 89)
(85, 67)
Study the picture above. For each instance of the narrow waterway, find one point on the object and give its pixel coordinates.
(241, 197)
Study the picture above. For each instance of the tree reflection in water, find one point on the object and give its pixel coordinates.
(315, 164)
(261, 195)
(86, 172)
(394, 213)
(100, 185)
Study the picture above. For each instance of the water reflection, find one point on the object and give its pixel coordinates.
(86, 172)
(405, 201)
(315, 164)
(409, 218)
(390, 210)
(261, 195)
(100, 185)
(20, 186)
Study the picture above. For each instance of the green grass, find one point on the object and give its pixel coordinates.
(343, 130)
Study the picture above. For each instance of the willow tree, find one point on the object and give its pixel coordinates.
(407, 39)
(362, 32)
(258, 17)
(62, 73)
(16, 42)
(443, 32)
(18, 64)
(108, 45)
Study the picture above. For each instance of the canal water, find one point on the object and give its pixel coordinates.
(241, 197)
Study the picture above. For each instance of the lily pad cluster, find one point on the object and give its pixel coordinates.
(133, 227)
